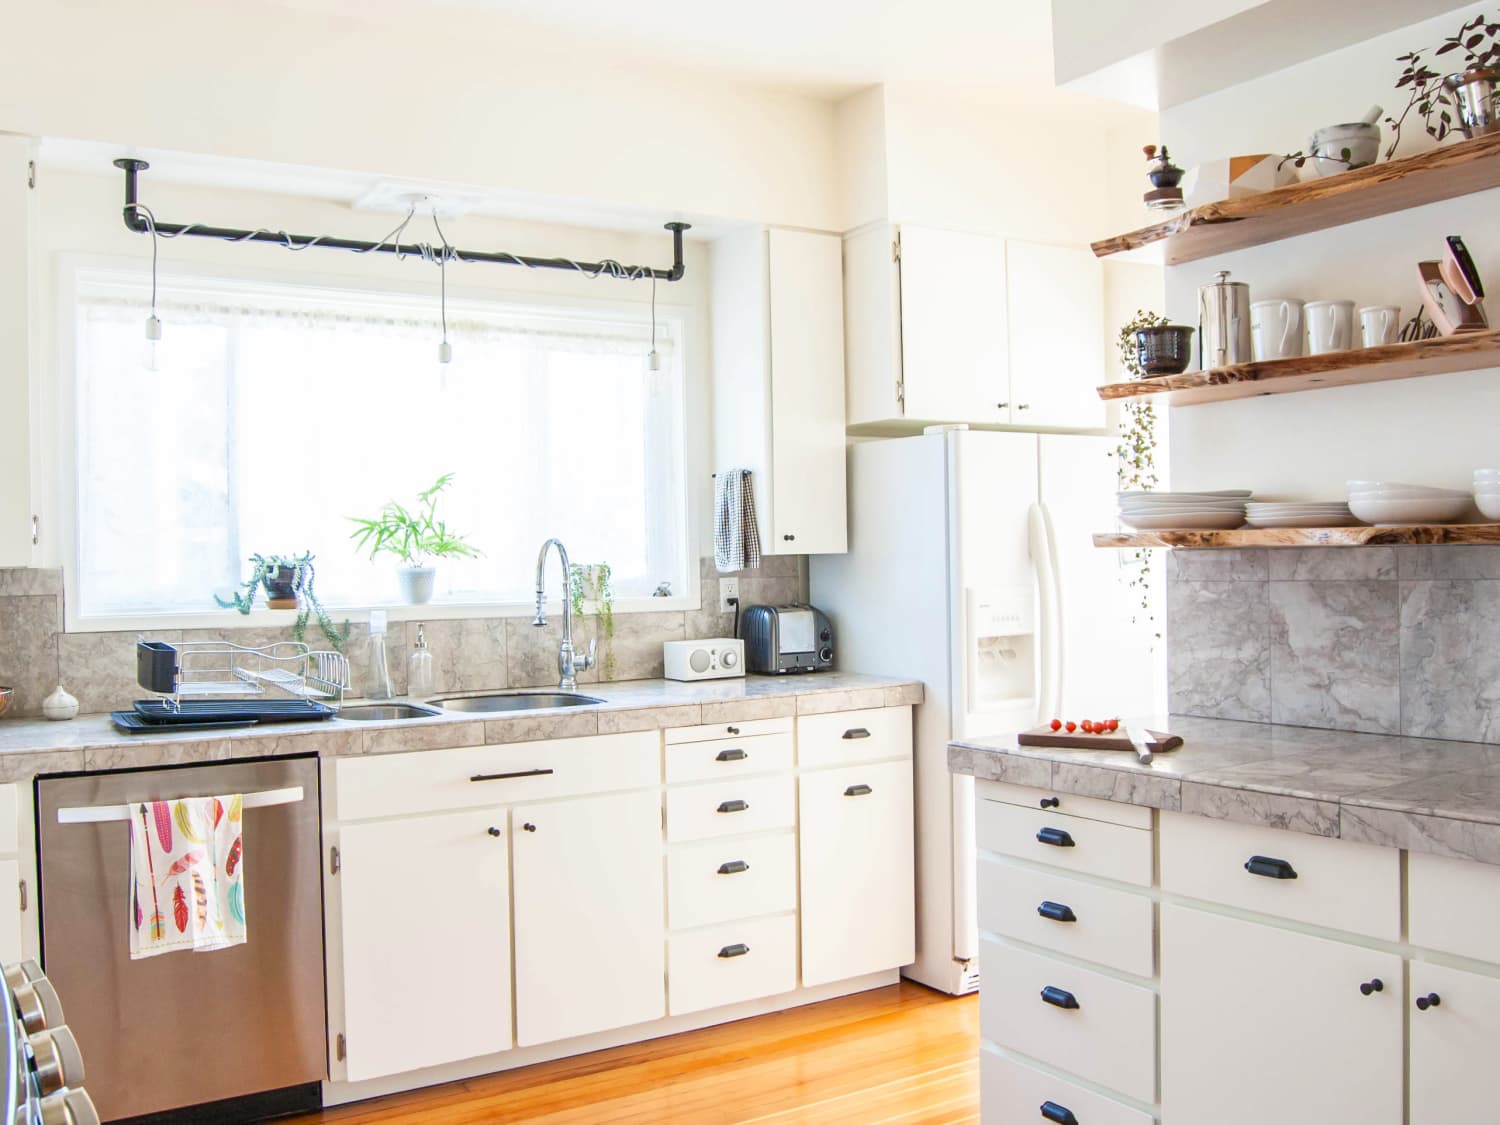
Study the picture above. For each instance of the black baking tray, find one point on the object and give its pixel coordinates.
(131, 723)
(162, 713)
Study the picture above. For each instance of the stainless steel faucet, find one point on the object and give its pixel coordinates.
(569, 663)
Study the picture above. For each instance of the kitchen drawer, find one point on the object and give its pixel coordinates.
(1109, 1038)
(722, 758)
(432, 780)
(1010, 1092)
(730, 963)
(1339, 884)
(1091, 846)
(1096, 923)
(730, 808)
(748, 729)
(735, 878)
(844, 738)
(1091, 808)
(1453, 905)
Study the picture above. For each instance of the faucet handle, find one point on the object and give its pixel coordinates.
(588, 657)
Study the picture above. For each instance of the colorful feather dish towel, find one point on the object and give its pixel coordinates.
(187, 875)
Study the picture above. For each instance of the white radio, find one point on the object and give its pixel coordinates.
(712, 659)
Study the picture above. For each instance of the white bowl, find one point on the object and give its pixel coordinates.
(1489, 505)
(1189, 521)
(1399, 488)
(1440, 509)
(1398, 494)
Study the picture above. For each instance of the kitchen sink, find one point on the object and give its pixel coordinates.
(515, 701)
(383, 712)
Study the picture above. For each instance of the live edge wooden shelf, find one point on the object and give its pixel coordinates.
(1306, 536)
(1445, 172)
(1469, 351)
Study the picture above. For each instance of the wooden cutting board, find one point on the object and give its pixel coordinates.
(1045, 736)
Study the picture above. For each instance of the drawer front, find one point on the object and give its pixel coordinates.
(1047, 836)
(1112, 927)
(730, 808)
(723, 758)
(1011, 1093)
(730, 963)
(433, 780)
(735, 878)
(1454, 905)
(1113, 812)
(748, 729)
(843, 738)
(1109, 1038)
(1339, 884)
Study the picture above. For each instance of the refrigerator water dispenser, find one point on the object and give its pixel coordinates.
(1002, 640)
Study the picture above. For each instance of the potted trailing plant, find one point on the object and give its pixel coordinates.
(288, 583)
(1135, 455)
(590, 591)
(1471, 94)
(414, 535)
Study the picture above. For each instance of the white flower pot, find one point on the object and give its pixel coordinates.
(416, 583)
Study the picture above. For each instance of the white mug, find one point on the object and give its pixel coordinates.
(1379, 324)
(1276, 328)
(1330, 326)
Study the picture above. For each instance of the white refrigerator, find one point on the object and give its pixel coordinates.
(971, 568)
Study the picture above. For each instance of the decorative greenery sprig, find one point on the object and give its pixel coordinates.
(262, 569)
(1479, 40)
(412, 535)
(1135, 455)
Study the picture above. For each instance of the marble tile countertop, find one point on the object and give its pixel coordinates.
(1423, 794)
(91, 742)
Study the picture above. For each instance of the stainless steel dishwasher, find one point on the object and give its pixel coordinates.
(238, 1032)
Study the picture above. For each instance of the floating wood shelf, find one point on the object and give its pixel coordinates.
(1469, 351)
(1306, 536)
(1445, 172)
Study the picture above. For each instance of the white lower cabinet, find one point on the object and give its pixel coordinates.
(1011, 1092)
(425, 921)
(733, 961)
(1454, 1018)
(1262, 1024)
(589, 915)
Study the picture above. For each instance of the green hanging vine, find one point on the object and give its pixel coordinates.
(579, 583)
(1135, 455)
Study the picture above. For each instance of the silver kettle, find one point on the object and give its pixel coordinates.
(1223, 323)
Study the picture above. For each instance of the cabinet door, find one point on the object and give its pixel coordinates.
(858, 887)
(590, 925)
(1453, 1075)
(426, 941)
(1056, 301)
(17, 260)
(10, 911)
(872, 325)
(1260, 1024)
(808, 513)
(953, 326)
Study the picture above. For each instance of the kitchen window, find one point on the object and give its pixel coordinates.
(278, 411)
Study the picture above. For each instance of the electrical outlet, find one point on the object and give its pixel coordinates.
(728, 588)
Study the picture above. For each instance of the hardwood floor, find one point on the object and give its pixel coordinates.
(902, 1055)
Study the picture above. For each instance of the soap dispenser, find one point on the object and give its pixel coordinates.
(379, 686)
(419, 666)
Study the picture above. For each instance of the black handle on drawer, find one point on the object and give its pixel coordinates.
(1059, 1113)
(1057, 912)
(735, 755)
(738, 949)
(1057, 837)
(1375, 984)
(733, 867)
(1050, 802)
(857, 732)
(1270, 868)
(733, 806)
(860, 790)
(508, 776)
(1059, 998)
(1431, 1000)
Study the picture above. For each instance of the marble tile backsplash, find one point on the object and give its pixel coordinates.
(1392, 640)
(471, 654)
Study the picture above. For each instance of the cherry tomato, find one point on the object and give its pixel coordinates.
(1114, 725)
(1072, 727)
(1088, 726)
(1057, 724)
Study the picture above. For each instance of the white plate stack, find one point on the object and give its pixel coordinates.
(1387, 503)
(1302, 513)
(1487, 492)
(1184, 511)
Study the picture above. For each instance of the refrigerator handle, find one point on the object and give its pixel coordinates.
(1043, 543)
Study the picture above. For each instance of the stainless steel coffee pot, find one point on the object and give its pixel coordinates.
(1223, 323)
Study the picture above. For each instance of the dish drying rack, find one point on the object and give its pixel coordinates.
(285, 671)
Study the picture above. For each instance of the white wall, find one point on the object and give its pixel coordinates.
(1433, 430)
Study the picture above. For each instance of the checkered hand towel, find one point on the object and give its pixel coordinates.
(736, 540)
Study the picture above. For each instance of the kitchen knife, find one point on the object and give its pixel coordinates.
(1141, 743)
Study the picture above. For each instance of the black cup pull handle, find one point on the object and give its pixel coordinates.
(860, 790)
(1059, 1113)
(738, 949)
(857, 732)
(1431, 1000)
(735, 755)
(508, 776)
(1375, 984)
(1057, 912)
(733, 806)
(1050, 802)
(1057, 837)
(733, 867)
(1059, 998)
(1270, 868)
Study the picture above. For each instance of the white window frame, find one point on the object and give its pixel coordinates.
(65, 478)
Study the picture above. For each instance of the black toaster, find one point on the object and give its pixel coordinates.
(786, 638)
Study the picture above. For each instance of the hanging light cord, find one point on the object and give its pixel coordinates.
(151, 226)
(653, 312)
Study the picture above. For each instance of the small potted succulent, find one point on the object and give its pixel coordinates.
(414, 535)
(288, 583)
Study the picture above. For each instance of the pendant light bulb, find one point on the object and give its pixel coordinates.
(153, 340)
(445, 352)
(653, 360)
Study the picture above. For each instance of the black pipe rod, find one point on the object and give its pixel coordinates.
(137, 223)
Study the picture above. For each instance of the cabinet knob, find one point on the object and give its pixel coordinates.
(1023, 406)
(493, 831)
(789, 538)
(1431, 1000)
(529, 827)
(1002, 406)
(1374, 985)
(733, 730)
(1050, 802)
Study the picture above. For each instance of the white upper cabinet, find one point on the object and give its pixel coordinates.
(1056, 302)
(17, 257)
(778, 344)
